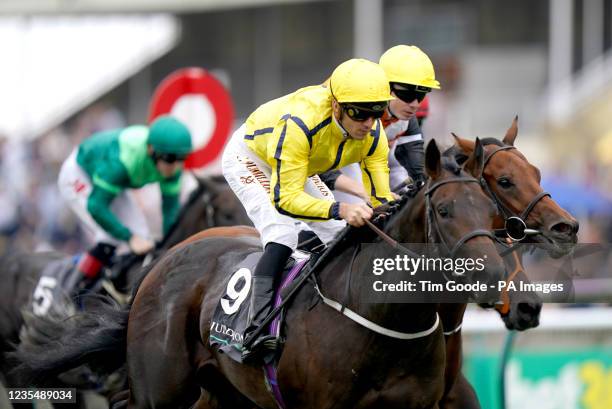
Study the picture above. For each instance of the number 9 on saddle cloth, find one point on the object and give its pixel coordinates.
(230, 318)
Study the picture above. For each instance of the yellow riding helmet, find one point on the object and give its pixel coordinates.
(407, 64)
(359, 80)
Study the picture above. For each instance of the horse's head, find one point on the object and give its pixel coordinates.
(220, 204)
(514, 185)
(523, 310)
(460, 217)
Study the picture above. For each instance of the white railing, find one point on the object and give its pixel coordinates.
(552, 318)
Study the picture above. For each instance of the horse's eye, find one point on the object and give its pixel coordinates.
(443, 210)
(504, 183)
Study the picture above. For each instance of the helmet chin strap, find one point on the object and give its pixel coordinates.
(338, 121)
(391, 112)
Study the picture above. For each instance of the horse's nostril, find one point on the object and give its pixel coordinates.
(529, 308)
(566, 228)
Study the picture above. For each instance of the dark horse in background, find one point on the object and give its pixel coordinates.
(514, 184)
(212, 203)
(329, 361)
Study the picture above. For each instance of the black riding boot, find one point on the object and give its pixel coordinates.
(270, 267)
(87, 272)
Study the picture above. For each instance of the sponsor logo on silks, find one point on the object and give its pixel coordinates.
(247, 180)
(258, 174)
(223, 329)
(323, 189)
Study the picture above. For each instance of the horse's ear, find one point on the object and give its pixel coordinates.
(511, 132)
(457, 151)
(432, 159)
(475, 162)
(478, 155)
(466, 145)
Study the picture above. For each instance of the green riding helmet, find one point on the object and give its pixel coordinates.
(169, 135)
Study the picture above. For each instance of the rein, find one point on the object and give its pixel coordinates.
(431, 220)
(397, 246)
(504, 308)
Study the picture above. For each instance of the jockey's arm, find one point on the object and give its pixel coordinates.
(375, 170)
(330, 177)
(349, 185)
(98, 206)
(288, 152)
(170, 190)
(410, 153)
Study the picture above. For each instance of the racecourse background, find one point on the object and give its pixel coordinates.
(494, 60)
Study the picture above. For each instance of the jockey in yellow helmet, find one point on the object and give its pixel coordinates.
(272, 162)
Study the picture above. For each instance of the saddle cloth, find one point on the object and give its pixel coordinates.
(49, 293)
(230, 317)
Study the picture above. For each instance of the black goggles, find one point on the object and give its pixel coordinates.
(409, 93)
(168, 157)
(363, 112)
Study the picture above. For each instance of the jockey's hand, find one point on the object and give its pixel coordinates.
(355, 214)
(140, 245)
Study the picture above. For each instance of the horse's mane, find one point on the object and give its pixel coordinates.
(458, 153)
(461, 157)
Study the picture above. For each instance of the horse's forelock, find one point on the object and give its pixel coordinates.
(491, 141)
(450, 163)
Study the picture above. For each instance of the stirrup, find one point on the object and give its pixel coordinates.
(262, 346)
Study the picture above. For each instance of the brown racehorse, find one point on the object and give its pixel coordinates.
(514, 184)
(328, 360)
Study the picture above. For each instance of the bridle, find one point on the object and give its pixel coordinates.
(432, 221)
(207, 199)
(432, 224)
(513, 222)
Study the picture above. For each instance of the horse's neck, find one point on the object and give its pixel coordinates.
(406, 227)
(185, 224)
(409, 225)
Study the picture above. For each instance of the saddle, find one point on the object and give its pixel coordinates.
(51, 293)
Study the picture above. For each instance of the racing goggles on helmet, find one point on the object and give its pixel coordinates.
(363, 111)
(168, 157)
(409, 93)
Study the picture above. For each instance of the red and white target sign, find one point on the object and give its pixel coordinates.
(200, 101)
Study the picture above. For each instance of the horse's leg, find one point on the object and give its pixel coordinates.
(120, 397)
(454, 359)
(160, 372)
(165, 383)
(461, 396)
(217, 391)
